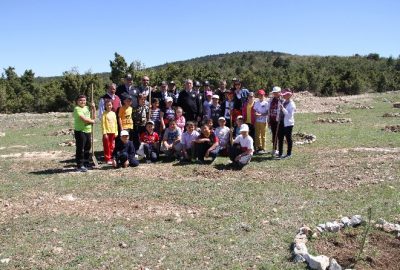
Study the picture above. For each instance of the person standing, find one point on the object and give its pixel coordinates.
(240, 95)
(273, 107)
(109, 127)
(110, 95)
(261, 110)
(190, 102)
(249, 114)
(221, 91)
(83, 121)
(145, 88)
(163, 95)
(286, 123)
(127, 89)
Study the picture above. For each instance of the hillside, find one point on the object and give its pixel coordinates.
(320, 75)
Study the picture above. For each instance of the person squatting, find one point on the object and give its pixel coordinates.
(193, 125)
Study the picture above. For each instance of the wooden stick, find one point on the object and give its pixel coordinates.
(94, 159)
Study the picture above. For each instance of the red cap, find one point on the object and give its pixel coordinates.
(261, 92)
(286, 92)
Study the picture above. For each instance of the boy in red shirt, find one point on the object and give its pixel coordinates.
(149, 141)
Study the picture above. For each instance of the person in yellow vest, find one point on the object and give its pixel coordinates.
(109, 126)
(83, 121)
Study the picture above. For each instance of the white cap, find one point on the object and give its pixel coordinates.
(124, 133)
(215, 96)
(169, 99)
(244, 127)
(276, 89)
(222, 118)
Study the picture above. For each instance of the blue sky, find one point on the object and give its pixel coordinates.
(51, 37)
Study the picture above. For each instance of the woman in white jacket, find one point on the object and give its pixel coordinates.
(286, 123)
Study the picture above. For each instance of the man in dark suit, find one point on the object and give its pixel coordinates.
(191, 103)
(127, 89)
(163, 94)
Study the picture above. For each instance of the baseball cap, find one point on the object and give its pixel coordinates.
(124, 133)
(276, 89)
(129, 77)
(149, 123)
(209, 93)
(215, 96)
(221, 118)
(244, 127)
(169, 99)
(261, 92)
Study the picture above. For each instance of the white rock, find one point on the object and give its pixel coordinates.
(334, 265)
(332, 226)
(317, 262)
(322, 226)
(345, 221)
(356, 220)
(300, 249)
(6, 260)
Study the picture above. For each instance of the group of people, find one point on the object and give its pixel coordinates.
(191, 125)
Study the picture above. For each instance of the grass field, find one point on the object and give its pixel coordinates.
(165, 216)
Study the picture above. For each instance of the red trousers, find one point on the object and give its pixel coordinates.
(108, 145)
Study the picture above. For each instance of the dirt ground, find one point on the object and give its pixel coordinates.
(380, 252)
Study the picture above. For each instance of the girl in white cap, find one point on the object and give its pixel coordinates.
(242, 149)
(286, 122)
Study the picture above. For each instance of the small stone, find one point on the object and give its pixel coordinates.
(333, 265)
(2, 134)
(314, 235)
(345, 221)
(305, 230)
(355, 220)
(122, 245)
(322, 226)
(298, 259)
(317, 262)
(320, 229)
(6, 260)
(245, 227)
(332, 226)
(274, 210)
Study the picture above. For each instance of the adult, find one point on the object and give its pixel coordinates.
(110, 95)
(261, 110)
(190, 102)
(173, 90)
(286, 122)
(273, 107)
(221, 91)
(127, 89)
(240, 96)
(145, 87)
(163, 94)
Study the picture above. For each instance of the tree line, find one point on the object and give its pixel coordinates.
(321, 75)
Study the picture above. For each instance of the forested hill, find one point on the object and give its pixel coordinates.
(322, 75)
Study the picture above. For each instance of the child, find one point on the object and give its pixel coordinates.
(215, 110)
(83, 121)
(171, 140)
(187, 142)
(242, 149)
(239, 123)
(227, 108)
(223, 134)
(109, 127)
(207, 144)
(180, 119)
(261, 107)
(124, 152)
(168, 114)
(155, 115)
(286, 123)
(206, 105)
(140, 118)
(124, 113)
(210, 124)
(149, 141)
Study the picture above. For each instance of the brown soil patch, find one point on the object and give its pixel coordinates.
(392, 128)
(306, 102)
(333, 120)
(391, 115)
(348, 168)
(300, 138)
(97, 208)
(380, 252)
(35, 155)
